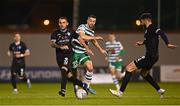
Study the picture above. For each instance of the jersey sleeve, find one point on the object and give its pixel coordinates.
(122, 51)
(24, 47)
(74, 35)
(80, 28)
(10, 47)
(53, 37)
(163, 35)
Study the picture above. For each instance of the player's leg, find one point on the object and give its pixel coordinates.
(74, 72)
(89, 73)
(13, 79)
(119, 70)
(62, 61)
(84, 59)
(76, 81)
(22, 75)
(27, 80)
(145, 74)
(129, 69)
(113, 74)
(63, 80)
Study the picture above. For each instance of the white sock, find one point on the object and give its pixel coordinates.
(88, 77)
(115, 81)
(76, 87)
(28, 80)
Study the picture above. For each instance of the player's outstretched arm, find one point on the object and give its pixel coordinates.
(86, 37)
(165, 39)
(139, 43)
(89, 51)
(54, 45)
(171, 46)
(96, 44)
(9, 53)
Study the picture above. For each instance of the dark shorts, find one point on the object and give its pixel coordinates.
(63, 60)
(145, 62)
(18, 68)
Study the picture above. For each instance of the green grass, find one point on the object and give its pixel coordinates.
(47, 94)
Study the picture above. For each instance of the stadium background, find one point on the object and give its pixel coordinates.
(113, 16)
(119, 17)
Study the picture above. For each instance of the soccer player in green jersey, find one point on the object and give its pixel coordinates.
(115, 52)
(81, 51)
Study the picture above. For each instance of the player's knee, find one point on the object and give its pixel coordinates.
(64, 68)
(129, 68)
(13, 74)
(69, 74)
(144, 72)
(89, 68)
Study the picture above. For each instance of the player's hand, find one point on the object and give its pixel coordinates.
(171, 46)
(139, 43)
(89, 51)
(65, 47)
(98, 38)
(103, 52)
(106, 58)
(18, 55)
(118, 58)
(9, 53)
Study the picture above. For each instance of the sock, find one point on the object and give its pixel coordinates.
(74, 72)
(13, 81)
(76, 81)
(125, 81)
(88, 77)
(115, 81)
(149, 79)
(63, 91)
(63, 80)
(28, 80)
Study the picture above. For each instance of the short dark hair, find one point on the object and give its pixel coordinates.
(91, 16)
(63, 17)
(145, 16)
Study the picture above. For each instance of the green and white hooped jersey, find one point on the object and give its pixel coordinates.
(77, 47)
(114, 49)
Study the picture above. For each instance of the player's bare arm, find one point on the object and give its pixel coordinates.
(139, 43)
(165, 39)
(86, 37)
(96, 44)
(54, 45)
(89, 51)
(27, 53)
(9, 53)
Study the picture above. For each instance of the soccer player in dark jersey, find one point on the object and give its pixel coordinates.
(61, 40)
(146, 62)
(18, 50)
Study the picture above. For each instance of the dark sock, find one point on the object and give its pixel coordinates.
(125, 81)
(76, 81)
(63, 80)
(149, 79)
(74, 72)
(13, 81)
(24, 78)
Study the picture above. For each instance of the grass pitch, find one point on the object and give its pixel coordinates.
(140, 93)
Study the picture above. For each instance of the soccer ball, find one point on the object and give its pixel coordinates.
(81, 93)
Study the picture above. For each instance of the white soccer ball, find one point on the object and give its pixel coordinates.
(81, 93)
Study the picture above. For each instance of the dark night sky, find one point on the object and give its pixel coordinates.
(111, 14)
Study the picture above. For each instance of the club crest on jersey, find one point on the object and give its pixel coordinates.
(68, 33)
(145, 31)
(19, 47)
